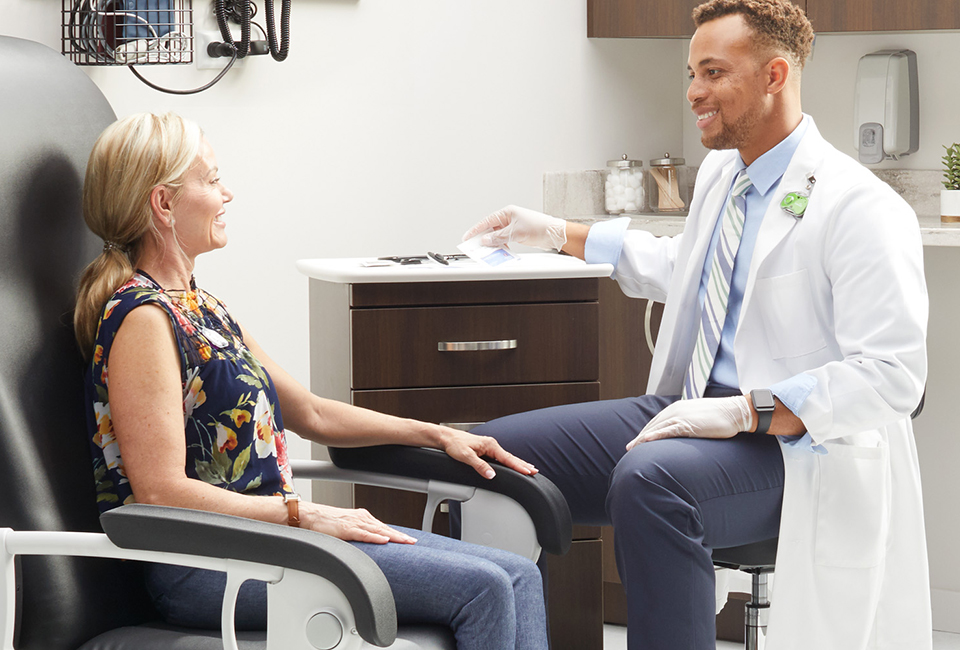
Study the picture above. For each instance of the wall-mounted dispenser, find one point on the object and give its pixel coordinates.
(887, 106)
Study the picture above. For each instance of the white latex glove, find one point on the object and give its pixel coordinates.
(516, 225)
(712, 417)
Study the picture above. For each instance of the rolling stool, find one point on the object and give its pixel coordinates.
(757, 559)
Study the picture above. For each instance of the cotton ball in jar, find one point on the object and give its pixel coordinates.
(623, 186)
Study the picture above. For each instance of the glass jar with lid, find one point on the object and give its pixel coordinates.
(623, 186)
(667, 186)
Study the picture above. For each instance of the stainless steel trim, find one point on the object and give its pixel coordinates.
(473, 346)
(647, 329)
(462, 426)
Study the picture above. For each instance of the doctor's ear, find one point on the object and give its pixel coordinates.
(778, 72)
(161, 204)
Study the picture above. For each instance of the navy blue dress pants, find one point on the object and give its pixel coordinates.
(670, 503)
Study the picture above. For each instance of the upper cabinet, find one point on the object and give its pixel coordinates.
(639, 18)
(883, 15)
(645, 18)
(671, 18)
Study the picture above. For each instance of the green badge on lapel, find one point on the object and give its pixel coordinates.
(795, 203)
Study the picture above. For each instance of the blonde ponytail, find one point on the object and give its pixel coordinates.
(130, 158)
(99, 281)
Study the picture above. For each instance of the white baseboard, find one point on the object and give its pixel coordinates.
(946, 610)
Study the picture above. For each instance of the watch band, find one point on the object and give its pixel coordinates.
(764, 404)
(293, 509)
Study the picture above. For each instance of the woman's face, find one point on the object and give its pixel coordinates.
(198, 211)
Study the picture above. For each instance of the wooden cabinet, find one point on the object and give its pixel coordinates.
(398, 348)
(671, 18)
(640, 18)
(643, 18)
(624, 370)
(381, 346)
(882, 15)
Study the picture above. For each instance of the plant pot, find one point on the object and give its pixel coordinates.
(950, 206)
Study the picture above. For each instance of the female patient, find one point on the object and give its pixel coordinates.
(190, 412)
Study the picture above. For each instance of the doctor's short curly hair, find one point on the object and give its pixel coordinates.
(780, 25)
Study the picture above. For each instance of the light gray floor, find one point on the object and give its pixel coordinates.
(615, 638)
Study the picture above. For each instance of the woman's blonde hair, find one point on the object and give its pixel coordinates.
(130, 158)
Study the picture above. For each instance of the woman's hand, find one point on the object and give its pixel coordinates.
(349, 525)
(470, 449)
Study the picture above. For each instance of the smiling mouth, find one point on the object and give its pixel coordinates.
(705, 116)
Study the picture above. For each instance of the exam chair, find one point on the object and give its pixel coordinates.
(72, 579)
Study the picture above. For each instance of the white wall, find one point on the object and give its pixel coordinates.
(938, 442)
(392, 128)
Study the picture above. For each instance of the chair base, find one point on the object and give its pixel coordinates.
(160, 636)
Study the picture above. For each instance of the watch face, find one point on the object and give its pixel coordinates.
(762, 399)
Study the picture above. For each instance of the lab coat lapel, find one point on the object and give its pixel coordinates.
(777, 222)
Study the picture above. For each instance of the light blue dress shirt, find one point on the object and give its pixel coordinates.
(605, 241)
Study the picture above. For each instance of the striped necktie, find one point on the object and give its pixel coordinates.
(714, 311)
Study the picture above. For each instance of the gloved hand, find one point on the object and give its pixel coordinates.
(515, 225)
(711, 417)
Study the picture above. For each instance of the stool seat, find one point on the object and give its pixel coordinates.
(758, 557)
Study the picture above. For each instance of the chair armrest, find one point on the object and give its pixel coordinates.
(536, 494)
(206, 534)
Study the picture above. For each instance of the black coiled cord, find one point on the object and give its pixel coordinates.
(240, 9)
(278, 54)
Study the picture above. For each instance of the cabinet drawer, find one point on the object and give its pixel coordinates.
(473, 403)
(399, 348)
(489, 292)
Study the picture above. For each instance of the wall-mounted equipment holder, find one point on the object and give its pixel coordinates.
(127, 32)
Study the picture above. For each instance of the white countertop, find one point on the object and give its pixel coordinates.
(932, 232)
(935, 233)
(535, 266)
(529, 266)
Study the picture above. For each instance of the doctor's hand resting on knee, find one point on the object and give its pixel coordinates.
(795, 306)
(187, 410)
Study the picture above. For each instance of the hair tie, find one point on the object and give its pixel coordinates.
(109, 245)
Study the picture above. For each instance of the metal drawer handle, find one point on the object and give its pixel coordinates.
(472, 346)
(462, 426)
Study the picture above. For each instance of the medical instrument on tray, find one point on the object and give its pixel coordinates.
(418, 259)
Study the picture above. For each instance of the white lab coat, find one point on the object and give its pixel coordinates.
(839, 295)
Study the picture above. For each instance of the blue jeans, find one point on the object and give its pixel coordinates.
(670, 503)
(491, 599)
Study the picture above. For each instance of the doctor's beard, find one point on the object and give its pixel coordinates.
(736, 134)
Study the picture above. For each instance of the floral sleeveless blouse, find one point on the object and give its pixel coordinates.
(234, 433)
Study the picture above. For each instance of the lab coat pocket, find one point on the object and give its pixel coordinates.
(853, 513)
(784, 302)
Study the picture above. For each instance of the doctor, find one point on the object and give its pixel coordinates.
(790, 356)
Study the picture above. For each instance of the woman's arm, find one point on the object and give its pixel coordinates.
(146, 406)
(334, 423)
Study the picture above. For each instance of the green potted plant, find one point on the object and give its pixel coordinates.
(950, 197)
